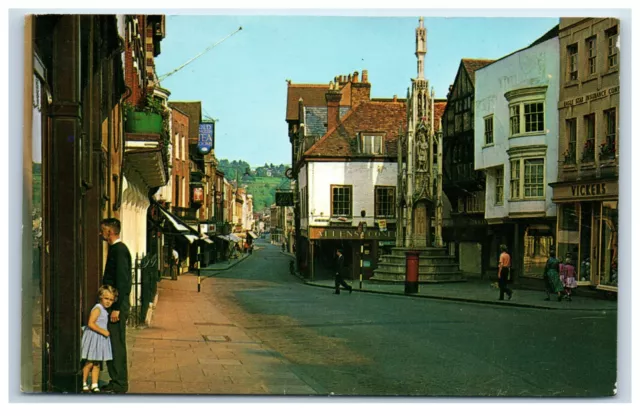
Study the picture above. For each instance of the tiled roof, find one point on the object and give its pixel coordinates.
(385, 117)
(472, 65)
(313, 95)
(438, 108)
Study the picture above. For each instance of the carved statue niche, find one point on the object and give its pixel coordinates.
(423, 151)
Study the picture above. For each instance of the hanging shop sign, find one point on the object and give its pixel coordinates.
(198, 195)
(284, 199)
(205, 138)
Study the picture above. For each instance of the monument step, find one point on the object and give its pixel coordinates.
(400, 277)
(423, 268)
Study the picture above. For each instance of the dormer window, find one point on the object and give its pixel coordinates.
(370, 144)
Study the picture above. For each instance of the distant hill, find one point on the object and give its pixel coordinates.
(261, 182)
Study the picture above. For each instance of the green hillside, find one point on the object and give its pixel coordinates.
(263, 190)
(261, 182)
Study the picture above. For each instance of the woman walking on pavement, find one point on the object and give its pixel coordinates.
(552, 276)
(96, 345)
(568, 275)
(504, 268)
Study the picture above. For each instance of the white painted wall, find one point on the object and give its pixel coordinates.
(363, 176)
(533, 67)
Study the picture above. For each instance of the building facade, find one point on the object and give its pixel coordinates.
(466, 229)
(516, 146)
(587, 189)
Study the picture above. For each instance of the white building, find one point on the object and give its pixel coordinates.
(516, 145)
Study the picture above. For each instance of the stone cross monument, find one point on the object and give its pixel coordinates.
(420, 175)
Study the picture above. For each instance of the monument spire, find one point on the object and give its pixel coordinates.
(421, 47)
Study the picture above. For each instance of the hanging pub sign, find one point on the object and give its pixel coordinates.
(284, 199)
(205, 138)
(198, 195)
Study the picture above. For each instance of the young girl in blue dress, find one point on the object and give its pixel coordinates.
(96, 345)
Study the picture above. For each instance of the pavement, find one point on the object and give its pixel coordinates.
(192, 347)
(475, 290)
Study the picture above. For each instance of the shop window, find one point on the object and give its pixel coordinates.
(569, 232)
(537, 243)
(609, 244)
(341, 200)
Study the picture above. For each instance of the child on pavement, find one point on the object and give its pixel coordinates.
(568, 276)
(96, 345)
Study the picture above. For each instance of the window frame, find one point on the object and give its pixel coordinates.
(572, 62)
(488, 132)
(520, 180)
(363, 136)
(571, 126)
(532, 185)
(523, 118)
(514, 179)
(591, 44)
(350, 202)
(499, 186)
(376, 204)
(612, 49)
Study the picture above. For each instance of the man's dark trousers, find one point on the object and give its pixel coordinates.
(502, 283)
(118, 370)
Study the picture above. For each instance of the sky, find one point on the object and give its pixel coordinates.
(241, 82)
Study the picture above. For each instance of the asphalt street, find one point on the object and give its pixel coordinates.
(374, 344)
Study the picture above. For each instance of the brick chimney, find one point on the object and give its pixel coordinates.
(333, 97)
(355, 77)
(360, 91)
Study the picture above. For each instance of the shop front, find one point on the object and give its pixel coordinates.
(587, 230)
(361, 248)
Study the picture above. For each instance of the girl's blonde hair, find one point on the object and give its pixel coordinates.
(107, 288)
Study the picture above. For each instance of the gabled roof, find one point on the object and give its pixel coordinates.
(372, 116)
(438, 110)
(472, 65)
(313, 95)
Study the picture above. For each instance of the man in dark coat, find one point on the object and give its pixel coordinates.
(339, 280)
(117, 273)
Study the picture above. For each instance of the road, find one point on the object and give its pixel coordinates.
(371, 344)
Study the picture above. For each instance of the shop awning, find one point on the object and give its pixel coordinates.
(190, 237)
(180, 227)
(229, 237)
(206, 239)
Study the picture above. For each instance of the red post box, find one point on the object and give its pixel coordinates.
(412, 271)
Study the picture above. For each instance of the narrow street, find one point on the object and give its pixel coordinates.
(370, 344)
